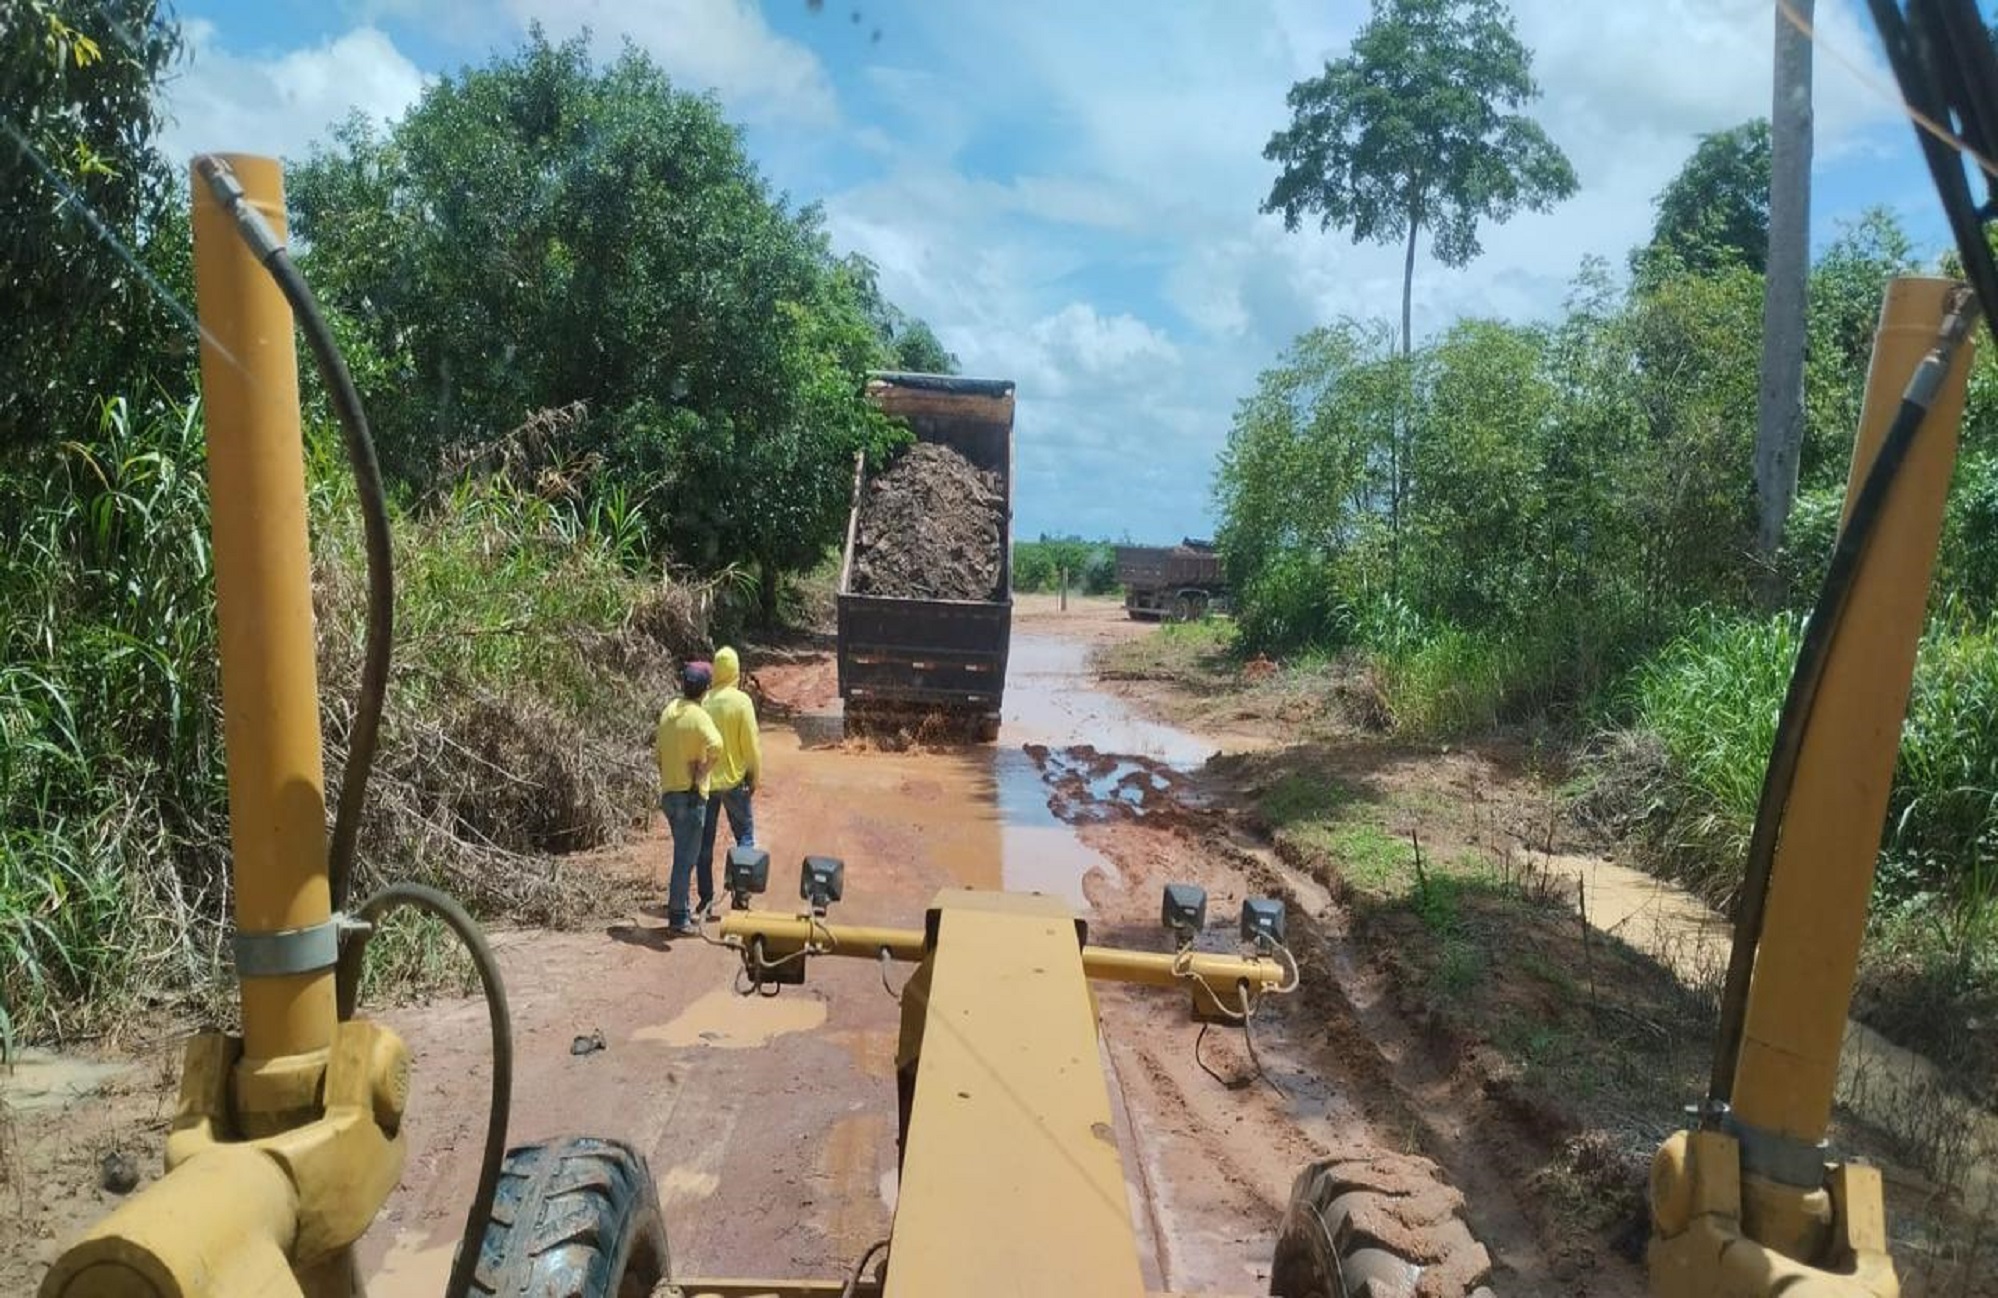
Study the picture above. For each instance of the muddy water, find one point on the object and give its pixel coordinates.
(1886, 1086)
(981, 813)
(726, 1020)
(1051, 700)
(37, 1079)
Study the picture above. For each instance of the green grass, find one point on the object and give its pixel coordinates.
(1200, 653)
(1689, 773)
(524, 625)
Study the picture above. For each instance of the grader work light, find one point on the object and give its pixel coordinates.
(747, 872)
(821, 882)
(1262, 922)
(1183, 912)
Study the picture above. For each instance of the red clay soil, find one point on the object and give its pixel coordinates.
(769, 1124)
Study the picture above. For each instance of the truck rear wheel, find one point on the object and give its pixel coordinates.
(1384, 1226)
(574, 1218)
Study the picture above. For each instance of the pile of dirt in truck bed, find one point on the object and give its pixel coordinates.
(931, 527)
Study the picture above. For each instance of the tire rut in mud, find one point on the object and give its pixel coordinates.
(1404, 1228)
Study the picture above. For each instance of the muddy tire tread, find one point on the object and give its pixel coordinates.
(1377, 1226)
(573, 1218)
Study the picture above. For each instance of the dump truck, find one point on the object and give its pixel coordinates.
(905, 651)
(1170, 581)
(290, 1134)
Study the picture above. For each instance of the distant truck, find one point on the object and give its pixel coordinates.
(1180, 582)
(903, 658)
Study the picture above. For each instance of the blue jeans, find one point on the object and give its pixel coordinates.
(685, 811)
(741, 823)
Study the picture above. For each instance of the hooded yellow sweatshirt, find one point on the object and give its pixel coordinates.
(734, 714)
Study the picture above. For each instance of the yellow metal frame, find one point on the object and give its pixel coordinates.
(288, 1139)
(1224, 986)
(1727, 1224)
(1011, 1178)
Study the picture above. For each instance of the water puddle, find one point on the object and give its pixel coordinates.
(1038, 851)
(1052, 700)
(413, 1267)
(686, 1185)
(731, 1022)
(990, 815)
(39, 1079)
(1071, 753)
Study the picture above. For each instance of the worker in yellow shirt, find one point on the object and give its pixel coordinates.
(735, 777)
(686, 747)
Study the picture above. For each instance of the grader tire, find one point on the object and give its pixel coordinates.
(1380, 1226)
(574, 1218)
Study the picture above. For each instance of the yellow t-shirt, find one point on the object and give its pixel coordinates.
(686, 735)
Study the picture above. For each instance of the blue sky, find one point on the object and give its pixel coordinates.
(1068, 192)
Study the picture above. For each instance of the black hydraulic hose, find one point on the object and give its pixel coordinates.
(360, 447)
(1914, 51)
(368, 704)
(362, 740)
(1794, 721)
(422, 897)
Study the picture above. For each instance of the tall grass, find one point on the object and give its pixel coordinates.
(1712, 698)
(1689, 774)
(110, 775)
(1442, 681)
(532, 647)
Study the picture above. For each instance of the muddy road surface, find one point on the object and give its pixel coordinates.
(770, 1123)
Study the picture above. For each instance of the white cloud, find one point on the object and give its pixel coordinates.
(1144, 173)
(719, 45)
(277, 105)
(1069, 193)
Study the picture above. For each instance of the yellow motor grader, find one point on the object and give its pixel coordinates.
(289, 1137)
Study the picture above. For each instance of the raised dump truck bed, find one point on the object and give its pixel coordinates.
(908, 655)
(1162, 581)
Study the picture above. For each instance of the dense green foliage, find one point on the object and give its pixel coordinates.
(110, 769)
(540, 232)
(1573, 490)
(596, 351)
(1715, 213)
(1419, 127)
(85, 199)
(522, 626)
(1091, 566)
(1711, 697)
(1577, 546)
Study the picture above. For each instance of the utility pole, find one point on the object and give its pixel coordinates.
(1779, 425)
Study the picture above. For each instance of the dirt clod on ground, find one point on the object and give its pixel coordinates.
(931, 527)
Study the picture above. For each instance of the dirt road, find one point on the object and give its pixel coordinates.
(770, 1123)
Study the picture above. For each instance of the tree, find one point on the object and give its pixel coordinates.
(541, 232)
(912, 345)
(1476, 459)
(82, 189)
(1419, 127)
(918, 350)
(1779, 429)
(1305, 482)
(1715, 213)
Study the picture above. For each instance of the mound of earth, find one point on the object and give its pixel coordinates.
(932, 527)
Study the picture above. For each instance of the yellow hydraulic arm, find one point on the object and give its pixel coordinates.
(287, 1140)
(1751, 1203)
